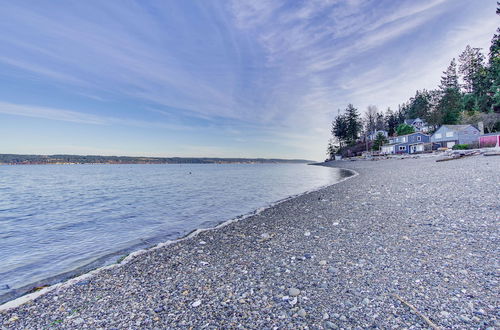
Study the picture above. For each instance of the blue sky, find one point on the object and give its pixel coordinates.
(259, 78)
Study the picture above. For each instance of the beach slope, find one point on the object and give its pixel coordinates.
(406, 243)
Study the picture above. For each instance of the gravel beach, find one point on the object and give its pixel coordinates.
(405, 244)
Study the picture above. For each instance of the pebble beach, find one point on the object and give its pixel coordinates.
(404, 243)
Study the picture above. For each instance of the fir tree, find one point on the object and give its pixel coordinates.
(354, 124)
(450, 77)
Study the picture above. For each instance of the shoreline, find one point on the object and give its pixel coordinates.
(123, 256)
(353, 254)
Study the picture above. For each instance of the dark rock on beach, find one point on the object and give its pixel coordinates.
(406, 244)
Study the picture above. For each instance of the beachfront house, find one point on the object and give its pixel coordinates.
(489, 140)
(449, 135)
(406, 144)
(418, 124)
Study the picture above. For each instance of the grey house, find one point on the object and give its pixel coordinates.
(408, 144)
(449, 135)
(418, 124)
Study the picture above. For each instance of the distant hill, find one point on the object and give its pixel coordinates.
(13, 159)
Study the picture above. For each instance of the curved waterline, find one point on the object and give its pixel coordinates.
(23, 295)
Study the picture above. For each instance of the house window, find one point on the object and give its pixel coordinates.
(401, 148)
(419, 138)
(449, 134)
(438, 135)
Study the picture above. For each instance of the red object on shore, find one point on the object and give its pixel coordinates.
(489, 140)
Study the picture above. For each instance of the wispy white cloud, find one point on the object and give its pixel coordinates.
(262, 72)
(50, 113)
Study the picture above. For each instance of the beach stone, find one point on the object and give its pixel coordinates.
(322, 262)
(307, 233)
(326, 316)
(265, 236)
(465, 318)
(329, 325)
(444, 314)
(78, 321)
(196, 303)
(332, 270)
(14, 318)
(293, 292)
(302, 312)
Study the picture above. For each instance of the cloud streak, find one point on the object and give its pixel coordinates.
(270, 70)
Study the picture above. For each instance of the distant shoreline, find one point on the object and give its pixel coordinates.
(15, 159)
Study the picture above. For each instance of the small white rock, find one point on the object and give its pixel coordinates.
(322, 262)
(294, 292)
(307, 233)
(444, 314)
(196, 303)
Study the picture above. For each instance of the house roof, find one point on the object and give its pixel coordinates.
(393, 137)
(405, 143)
(457, 127)
(411, 121)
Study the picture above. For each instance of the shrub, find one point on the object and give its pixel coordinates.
(460, 147)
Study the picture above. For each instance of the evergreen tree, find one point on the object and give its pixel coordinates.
(472, 69)
(379, 141)
(379, 121)
(354, 124)
(450, 106)
(402, 112)
(339, 129)
(494, 69)
(434, 117)
(391, 121)
(418, 106)
(450, 77)
(476, 78)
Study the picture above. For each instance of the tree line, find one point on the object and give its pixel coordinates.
(469, 92)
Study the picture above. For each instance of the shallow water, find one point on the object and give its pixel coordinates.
(57, 218)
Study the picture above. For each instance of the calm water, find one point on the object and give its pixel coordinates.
(57, 218)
